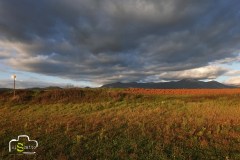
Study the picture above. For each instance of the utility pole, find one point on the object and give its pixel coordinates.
(14, 84)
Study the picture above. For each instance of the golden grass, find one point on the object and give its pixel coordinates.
(113, 124)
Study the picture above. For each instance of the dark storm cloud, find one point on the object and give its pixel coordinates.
(111, 40)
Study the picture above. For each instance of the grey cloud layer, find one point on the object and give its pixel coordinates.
(112, 40)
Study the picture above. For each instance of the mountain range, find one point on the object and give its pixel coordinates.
(182, 84)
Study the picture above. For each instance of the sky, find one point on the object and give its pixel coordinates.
(92, 42)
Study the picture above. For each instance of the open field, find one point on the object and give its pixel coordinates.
(183, 91)
(123, 124)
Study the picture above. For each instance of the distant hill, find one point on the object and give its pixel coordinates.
(34, 88)
(4, 89)
(52, 88)
(182, 84)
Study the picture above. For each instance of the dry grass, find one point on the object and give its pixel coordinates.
(113, 124)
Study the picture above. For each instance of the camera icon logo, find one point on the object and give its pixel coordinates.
(22, 145)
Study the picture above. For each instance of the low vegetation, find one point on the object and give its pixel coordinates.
(122, 124)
